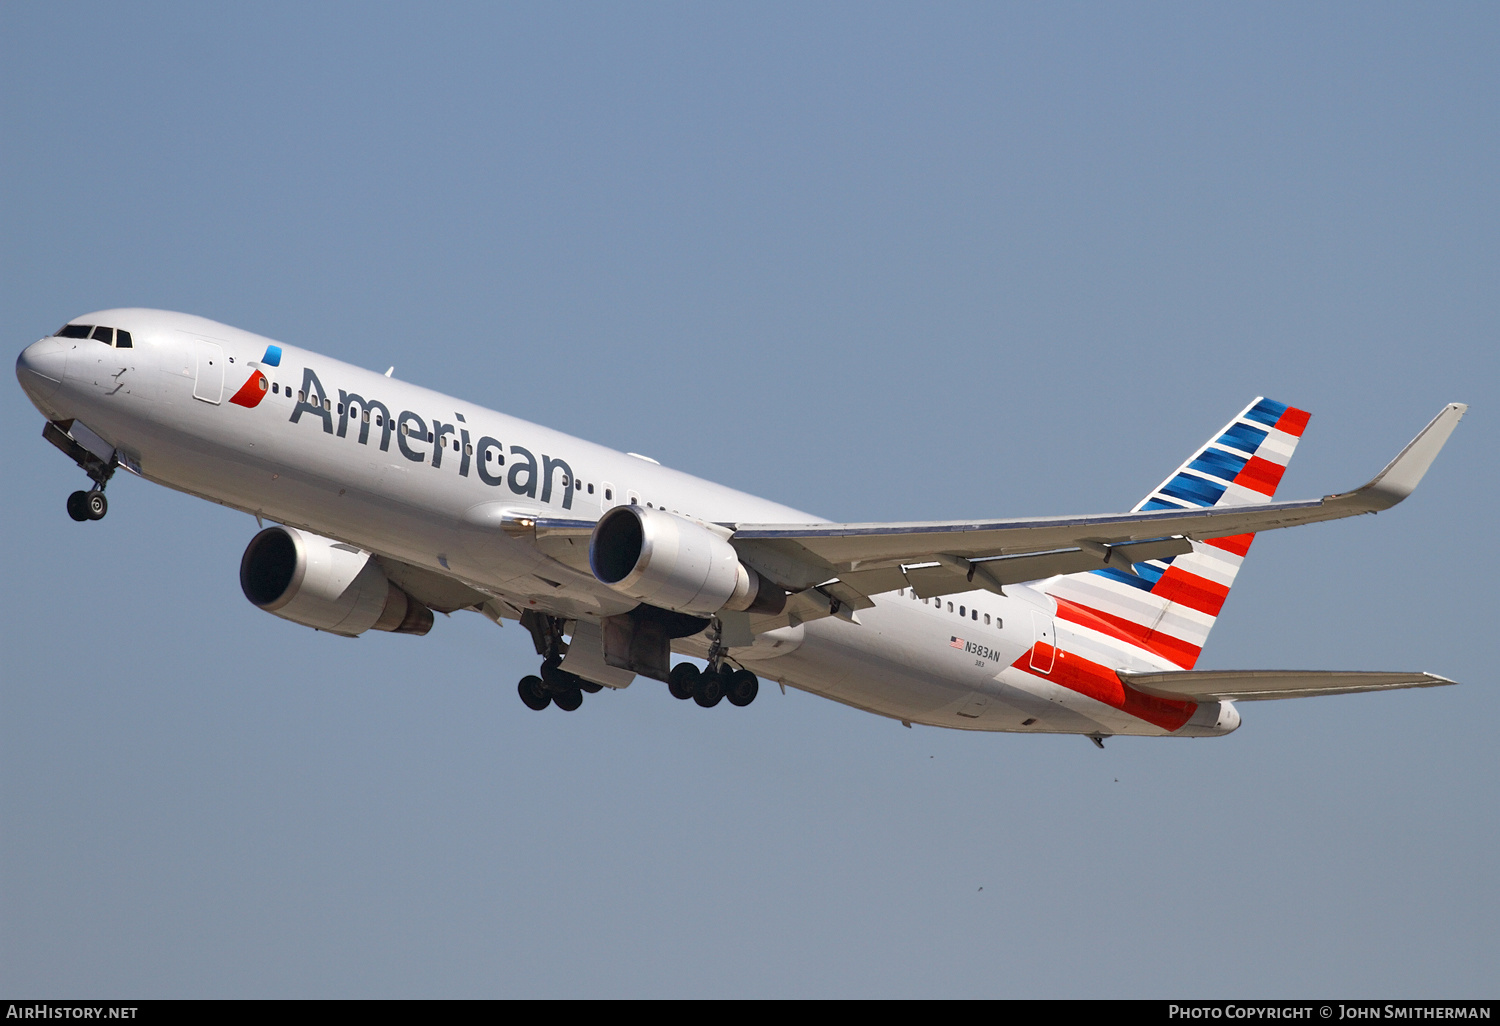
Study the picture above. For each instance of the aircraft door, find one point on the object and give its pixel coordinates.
(1044, 646)
(209, 383)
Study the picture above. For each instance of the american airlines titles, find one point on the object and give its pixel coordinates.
(412, 431)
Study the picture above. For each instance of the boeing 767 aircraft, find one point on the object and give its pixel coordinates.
(390, 501)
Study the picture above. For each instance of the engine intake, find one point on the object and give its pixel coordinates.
(674, 563)
(326, 584)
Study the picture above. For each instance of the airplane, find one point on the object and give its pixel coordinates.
(389, 502)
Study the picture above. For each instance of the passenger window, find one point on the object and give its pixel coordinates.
(609, 493)
(341, 409)
(122, 339)
(379, 420)
(950, 607)
(986, 619)
(591, 489)
(75, 331)
(975, 615)
(365, 416)
(469, 449)
(275, 388)
(962, 611)
(105, 335)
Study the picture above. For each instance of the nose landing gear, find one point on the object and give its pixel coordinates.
(89, 505)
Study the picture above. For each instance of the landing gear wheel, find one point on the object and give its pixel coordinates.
(568, 700)
(708, 689)
(681, 680)
(533, 693)
(76, 506)
(742, 688)
(95, 504)
(589, 687)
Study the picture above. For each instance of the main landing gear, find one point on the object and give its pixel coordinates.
(555, 685)
(717, 681)
(708, 687)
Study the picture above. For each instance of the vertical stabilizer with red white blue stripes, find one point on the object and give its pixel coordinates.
(1167, 607)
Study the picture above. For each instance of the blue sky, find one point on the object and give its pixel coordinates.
(876, 262)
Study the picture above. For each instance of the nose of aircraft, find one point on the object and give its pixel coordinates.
(41, 366)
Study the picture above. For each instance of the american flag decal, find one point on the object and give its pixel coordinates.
(955, 642)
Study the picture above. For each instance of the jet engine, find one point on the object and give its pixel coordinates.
(327, 585)
(677, 564)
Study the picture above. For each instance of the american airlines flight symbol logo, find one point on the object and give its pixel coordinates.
(254, 390)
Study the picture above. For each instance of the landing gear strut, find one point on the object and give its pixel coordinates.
(555, 686)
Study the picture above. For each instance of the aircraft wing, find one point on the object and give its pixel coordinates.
(849, 562)
(1258, 685)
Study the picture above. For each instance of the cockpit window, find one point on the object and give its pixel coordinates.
(109, 336)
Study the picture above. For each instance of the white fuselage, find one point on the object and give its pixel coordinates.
(165, 404)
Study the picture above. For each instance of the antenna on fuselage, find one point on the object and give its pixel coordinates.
(389, 369)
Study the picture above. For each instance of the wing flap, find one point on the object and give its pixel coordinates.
(1260, 685)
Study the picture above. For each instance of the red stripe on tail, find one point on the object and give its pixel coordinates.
(1293, 421)
(1191, 590)
(1173, 650)
(1239, 544)
(1260, 476)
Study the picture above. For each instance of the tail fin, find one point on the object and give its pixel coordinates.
(1168, 606)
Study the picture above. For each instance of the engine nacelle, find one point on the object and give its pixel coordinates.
(326, 584)
(674, 563)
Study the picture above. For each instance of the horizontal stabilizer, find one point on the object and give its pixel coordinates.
(1257, 685)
